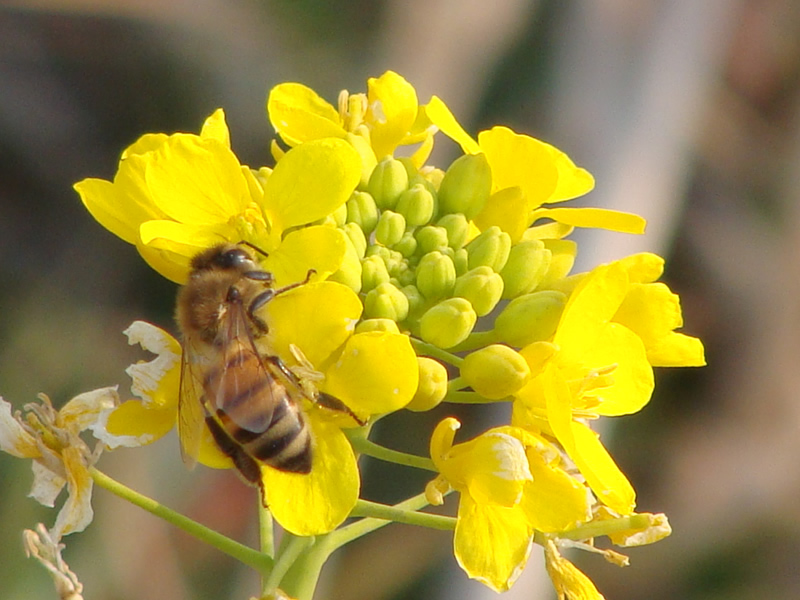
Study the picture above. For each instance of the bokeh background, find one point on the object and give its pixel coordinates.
(686, 112)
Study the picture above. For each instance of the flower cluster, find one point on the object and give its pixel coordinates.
(430, 285)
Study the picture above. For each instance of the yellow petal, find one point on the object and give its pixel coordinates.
(299, 115)
(318, 247)
(310, 182)
(573, 181)
(215, 128)
(442, 439)
(583, 446)
(554, 501)
(319, 502)
(317, 318)
(392, 110)
(570, 583)
(376, 373)
(506, 208)
(599, 218)
(135, 424)
(196, 180)
(441, 116)
(520, 160)
(492, 543)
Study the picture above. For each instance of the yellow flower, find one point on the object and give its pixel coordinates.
(386, 117)
(176, 195)
(593, 367)
(60, 457)
(528, 174)
(510, 484)
(372, 373)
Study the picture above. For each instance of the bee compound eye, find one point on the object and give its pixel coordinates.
(233, 258)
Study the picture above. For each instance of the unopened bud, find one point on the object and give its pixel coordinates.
(457, 228)
(416, 205)
(390, 229)
(495, 372)
(415, 299)
(461, 260)
(384, 325)
(432, 385)
(466, 186)
(436, 275)
(389, 179)
(407, 244)
(527, 264)
(491, 248)
(373, 273)
(482, 287)
(386, 302)
(362, 210)
(530, 318)
(357, 238)
(430, 238)
(448, 323)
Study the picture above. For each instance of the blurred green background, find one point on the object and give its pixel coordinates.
(686, 112)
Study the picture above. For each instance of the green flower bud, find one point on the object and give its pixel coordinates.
(436, 275)
(407, 244)
(357, 238)
(461, 260)
(466, 186)
(457, 228)
(432, 385)
(416, 205)
(373, 273)
(389, 179)
(530, 318)
(430, 238)
(406, 277)
(377, 250)
(495, 372)
(368, 160)
(415, 299)
(491, 248)
(448, 323)
(563, 252)
(386, 302)
(390, 229)
(340, 215)
(482, 287)
(362, 210)
(385, 325)
(527, 264)
(395, 263)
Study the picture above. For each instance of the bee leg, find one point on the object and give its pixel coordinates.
(268, 295)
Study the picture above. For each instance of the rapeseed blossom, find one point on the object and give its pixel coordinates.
(422, 286)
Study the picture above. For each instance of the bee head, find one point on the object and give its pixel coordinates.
(224, 257)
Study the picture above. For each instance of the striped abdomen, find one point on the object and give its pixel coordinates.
(254, 416)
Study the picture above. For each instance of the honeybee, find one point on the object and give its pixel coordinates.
(250, 401)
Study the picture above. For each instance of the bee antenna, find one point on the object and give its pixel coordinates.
(254, 247)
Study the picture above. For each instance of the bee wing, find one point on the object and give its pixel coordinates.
(191, 412)
(244, 388)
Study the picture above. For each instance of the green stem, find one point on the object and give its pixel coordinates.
(427, 349)
(301, 579)
(266, 530)
(361, 444)
(244, 554)
(365, 508)
(476, 339)
(348, 533)
(292, 547)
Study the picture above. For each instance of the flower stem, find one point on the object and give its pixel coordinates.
(387, 514)
(476, 339)
(244, 554)
(292, 547)
(427, 349)
(365, 508)
(361, 444)
(265, 529)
